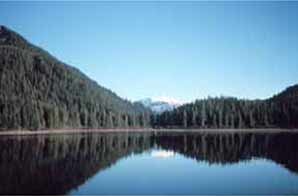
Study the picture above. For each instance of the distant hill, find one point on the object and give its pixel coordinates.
(158, 106)
(280, 111)
(289, 93)
(40, 92)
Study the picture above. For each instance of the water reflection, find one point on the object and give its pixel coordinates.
(234, 147)
(162, 153)
(57, 164)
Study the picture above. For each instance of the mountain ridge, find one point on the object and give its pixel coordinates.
(278, 111)
(39, 91)
(158, 105)
(33, 81)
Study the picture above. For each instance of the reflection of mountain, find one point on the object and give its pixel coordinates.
(234, 147)
(58, 164)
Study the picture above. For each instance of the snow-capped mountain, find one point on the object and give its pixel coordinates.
(161, 104)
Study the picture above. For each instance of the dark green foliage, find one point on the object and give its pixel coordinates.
(38, 91)
(278, 111)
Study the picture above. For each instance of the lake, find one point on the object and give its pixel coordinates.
(150, 163)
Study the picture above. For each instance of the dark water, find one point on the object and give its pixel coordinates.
(150, 163)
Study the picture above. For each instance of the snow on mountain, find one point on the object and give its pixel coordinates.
(161, 104)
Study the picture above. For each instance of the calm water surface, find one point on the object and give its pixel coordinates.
(150, 163)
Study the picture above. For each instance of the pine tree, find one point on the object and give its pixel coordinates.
(194, 116)
(184, 119)
(203, 115)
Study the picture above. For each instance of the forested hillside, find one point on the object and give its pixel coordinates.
(38, 91)
(226, 112)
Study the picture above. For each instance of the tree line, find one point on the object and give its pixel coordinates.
(227, 112)
(40, 92)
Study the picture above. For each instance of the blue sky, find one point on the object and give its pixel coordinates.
(185, 50)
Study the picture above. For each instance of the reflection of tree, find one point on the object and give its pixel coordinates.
(226, 148)
(57, 164)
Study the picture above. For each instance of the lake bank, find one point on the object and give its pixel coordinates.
(65, 131)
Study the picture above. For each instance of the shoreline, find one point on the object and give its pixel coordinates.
(115, 130)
